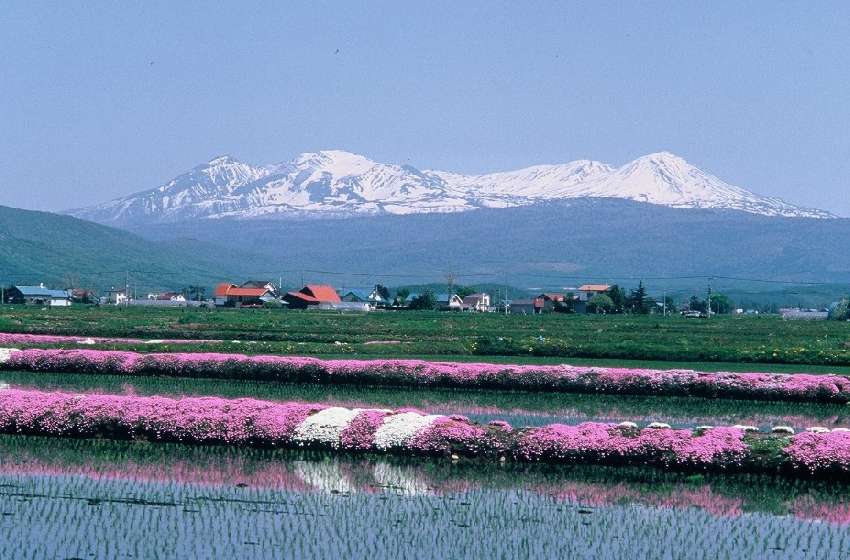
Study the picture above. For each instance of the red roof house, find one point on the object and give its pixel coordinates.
(233, 295)
(311, 295)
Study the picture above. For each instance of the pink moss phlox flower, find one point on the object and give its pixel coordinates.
(820, 452)
(598, 442)
(359, 435)
(450, 434)
(801, 387)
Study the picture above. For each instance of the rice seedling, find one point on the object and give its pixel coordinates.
(104, 499)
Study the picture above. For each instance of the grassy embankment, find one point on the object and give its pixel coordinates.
(733, 343)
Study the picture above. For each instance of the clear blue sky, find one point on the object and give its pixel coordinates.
(100, 99)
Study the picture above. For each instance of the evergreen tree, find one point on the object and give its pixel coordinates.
(618, 298)
(638, 302)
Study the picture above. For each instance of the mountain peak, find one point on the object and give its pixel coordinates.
(223, 159)
(341, 183)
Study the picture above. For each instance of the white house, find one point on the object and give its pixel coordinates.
(476, 302)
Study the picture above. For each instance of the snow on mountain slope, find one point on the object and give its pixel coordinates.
(338, 183)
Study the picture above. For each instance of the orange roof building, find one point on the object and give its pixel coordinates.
(311, 295)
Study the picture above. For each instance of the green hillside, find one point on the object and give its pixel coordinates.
(62, 251)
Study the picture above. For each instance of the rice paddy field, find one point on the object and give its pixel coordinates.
(605, 340)
(81, 496)
(98, 499)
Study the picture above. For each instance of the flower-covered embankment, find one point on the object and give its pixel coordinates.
(565, 378)
(249, 422)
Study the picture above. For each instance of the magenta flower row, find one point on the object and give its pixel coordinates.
(762, 386)
(249, 422)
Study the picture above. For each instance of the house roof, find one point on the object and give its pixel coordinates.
(227, 290)
(222, 289)
(594, 288)
(472, 299)
(302, 296)
(553, 297)
(360, 293)
(247, 292)
(536, 302)
(321, 292)
(256, 284)
(41, 291)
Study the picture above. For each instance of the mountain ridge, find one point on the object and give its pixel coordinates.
(336, 183)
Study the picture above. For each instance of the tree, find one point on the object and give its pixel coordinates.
(401, 296)
(600, 303)
(194, 293)
(568, 305)
(425, 300)
(720, 304)
(637, 301)
(617, 297)
(383, 291)
(841, 312)
(696, 304)
(464, 291)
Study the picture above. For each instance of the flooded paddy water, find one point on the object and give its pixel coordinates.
(517, 408)
(99, 499)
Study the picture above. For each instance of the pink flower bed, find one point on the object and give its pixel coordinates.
(597, 442)
(250, 422)
(763, 386)
(821, 452)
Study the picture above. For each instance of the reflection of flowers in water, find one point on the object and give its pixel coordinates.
(311, 472)
(325, 476)
(400, 480)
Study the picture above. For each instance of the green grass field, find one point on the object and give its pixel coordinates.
(718, 343)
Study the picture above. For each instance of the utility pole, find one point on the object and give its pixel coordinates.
(506, 295)
(708, 300)
(664, 302)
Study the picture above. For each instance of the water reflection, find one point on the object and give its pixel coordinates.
(520, 409)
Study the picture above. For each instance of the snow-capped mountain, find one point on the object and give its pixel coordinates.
(338, 183)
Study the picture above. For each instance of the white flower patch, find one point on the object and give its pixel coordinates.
(818, 430)
(659, 426)
(154, 341)
(782, 430)
(326, 477)
(398, 480)
(746, 428)
(87, 341)
(6, 354)
(325, 426)
(3, 386)
(841, 429)
(628, 425)
(398, 429)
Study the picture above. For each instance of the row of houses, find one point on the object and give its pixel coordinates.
(255, 293)
(549, 302)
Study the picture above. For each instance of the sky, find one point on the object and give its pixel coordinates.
(102, 99)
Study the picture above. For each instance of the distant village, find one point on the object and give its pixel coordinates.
(252, 294)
